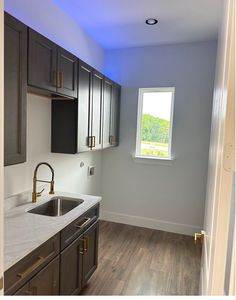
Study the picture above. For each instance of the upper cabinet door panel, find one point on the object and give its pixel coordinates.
(84, 107)
(97, 95)
(15, 82)
(107, 112)
(42, 62)
(115, 115)
(67, 73)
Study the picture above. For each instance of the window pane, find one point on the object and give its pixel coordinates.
(156, 122)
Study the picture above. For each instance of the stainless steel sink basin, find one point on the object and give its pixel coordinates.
(57, 206)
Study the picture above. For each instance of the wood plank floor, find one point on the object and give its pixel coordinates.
(139, 261)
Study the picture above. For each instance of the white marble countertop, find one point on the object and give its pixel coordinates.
(25, 231)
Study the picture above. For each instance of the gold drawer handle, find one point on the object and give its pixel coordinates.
(87, 220)
(90, 141)
(39, 261)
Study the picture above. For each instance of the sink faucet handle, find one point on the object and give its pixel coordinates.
(39, 193)
(52, 187)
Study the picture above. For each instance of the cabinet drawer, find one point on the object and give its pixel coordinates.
(72, 231)
(21, 272)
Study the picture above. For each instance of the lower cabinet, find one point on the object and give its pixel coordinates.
(79, 261)
(71, 269)
(46, 282)
(90, 252)
(60, 266)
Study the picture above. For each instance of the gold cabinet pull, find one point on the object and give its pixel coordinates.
(61, 79)
(54, 78)
(112, 140)
(85, 244)
(81, 248)
(39, 261)
(199, 236)
(87, 220)
(90, 141)
(93, 141)
(58, 79)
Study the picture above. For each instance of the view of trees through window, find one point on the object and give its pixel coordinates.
(156, 122)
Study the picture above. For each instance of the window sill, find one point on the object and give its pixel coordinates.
(153, 160)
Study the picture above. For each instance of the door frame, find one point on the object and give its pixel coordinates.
(1, 137)
(221, 164)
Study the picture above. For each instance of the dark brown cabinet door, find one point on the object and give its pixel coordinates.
(71, 268)
(24, 291)
(67, 69)
(115, 115)
(90, 252)
(107, 100)
(15, 83)
(42, 62)
(84, 107)
(96, 116)
(46, 282)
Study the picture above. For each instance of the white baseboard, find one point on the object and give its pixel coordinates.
(149, 223)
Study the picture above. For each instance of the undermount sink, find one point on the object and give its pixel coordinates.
(57, 206)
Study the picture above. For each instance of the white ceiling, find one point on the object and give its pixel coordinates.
(121, 23)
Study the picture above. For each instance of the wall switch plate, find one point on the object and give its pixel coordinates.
(91, 170)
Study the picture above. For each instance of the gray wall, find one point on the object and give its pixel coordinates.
(168, 197)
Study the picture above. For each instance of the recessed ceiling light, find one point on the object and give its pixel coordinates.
(151, 21)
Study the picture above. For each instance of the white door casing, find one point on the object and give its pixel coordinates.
(221, 161)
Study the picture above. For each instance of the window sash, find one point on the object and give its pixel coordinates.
(142, 91)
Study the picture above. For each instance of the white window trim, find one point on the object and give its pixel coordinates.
(137, 157)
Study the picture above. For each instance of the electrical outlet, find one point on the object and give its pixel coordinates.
(91, 170)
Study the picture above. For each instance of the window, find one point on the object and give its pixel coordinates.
(154, 126)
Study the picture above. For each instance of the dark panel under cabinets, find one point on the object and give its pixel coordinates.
(64, 126)
(15, 87)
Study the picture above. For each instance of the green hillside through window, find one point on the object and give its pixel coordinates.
(154, 136)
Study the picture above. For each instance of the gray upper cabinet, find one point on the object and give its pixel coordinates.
(107, 99)
(84, 107)
(111, 113)
(96, 111)
(67, 68)
(77, 125)
(50, 67)
(115, 115)
(15, 88)
(90, 93)
(42, 62)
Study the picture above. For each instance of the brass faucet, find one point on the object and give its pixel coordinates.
(36, 194)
